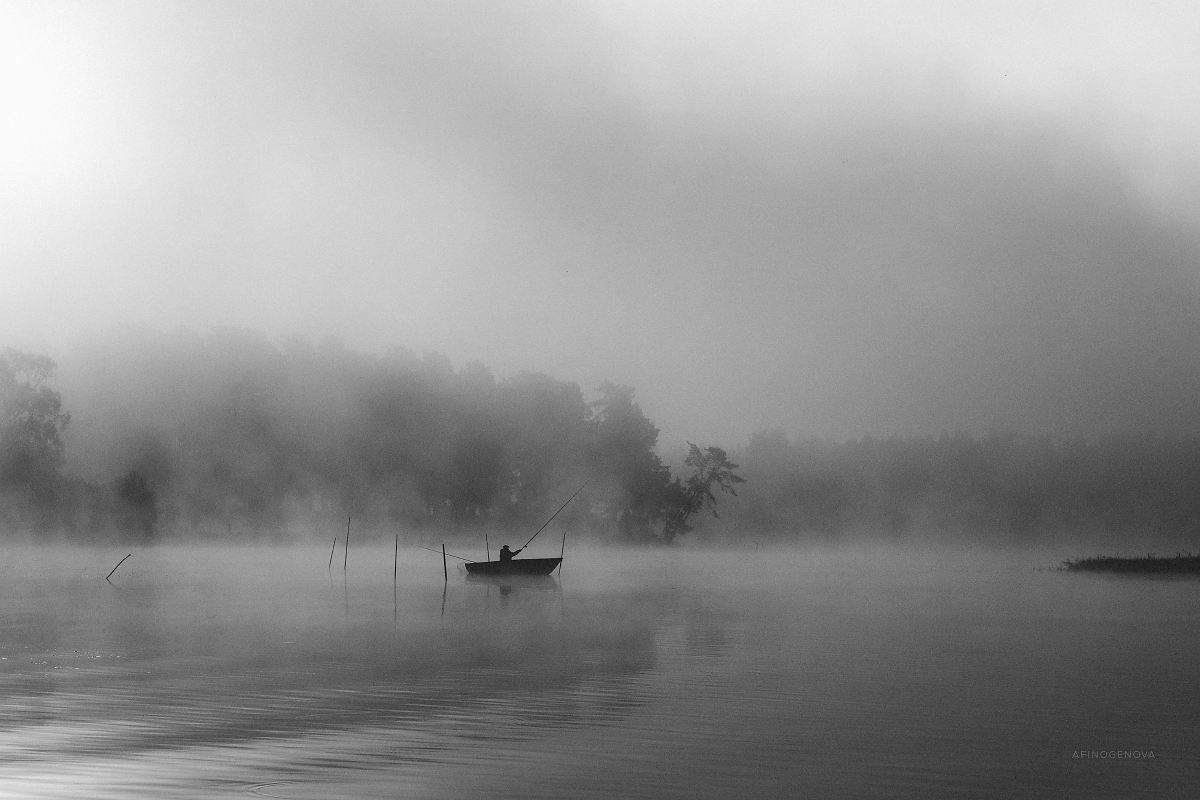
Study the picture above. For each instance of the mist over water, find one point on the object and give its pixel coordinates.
(907, 293)
(870, 672)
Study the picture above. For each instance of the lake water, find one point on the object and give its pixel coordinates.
(244, 672)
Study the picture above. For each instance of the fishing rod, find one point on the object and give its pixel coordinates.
(555, 514)
(430, 549)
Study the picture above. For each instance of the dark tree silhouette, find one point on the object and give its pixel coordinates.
(137, 496)
(712, 468)
(634, 481)
(31, 424)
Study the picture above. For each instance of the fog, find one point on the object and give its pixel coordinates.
(834, 220)
(823, 341)
(235, 671)
(921, 269)
(151, 437)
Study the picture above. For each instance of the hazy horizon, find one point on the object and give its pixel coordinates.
(831, 219)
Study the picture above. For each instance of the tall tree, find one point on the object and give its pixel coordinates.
(622, 452)
(31, 423)
(712, 468)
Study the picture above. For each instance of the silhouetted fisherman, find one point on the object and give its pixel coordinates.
(506, 554)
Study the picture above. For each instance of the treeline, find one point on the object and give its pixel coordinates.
(1000, 487)
(233, 435)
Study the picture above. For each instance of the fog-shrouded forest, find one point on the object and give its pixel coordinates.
(999, 488)
(230, 435)
(146, 436)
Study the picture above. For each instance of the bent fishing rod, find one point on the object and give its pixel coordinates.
(531, 538)
(555, 514)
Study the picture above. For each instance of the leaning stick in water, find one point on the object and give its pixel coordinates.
(562, 551)
(396, 563)
(346, 550)
(114, 569)
(445, 569)
(331, 552)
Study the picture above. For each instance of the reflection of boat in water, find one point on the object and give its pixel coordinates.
(515, 566)
(507, 583)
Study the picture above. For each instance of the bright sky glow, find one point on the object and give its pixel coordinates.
(834, 218)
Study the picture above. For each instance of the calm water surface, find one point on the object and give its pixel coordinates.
(209, 673)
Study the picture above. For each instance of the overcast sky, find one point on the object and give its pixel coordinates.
(832, 218)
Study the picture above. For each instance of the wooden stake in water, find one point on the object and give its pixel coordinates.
(488, 546)
(562, 551)
(396, 562)
(331, 552)
(346, 550)
(122, 561)
(445, 569)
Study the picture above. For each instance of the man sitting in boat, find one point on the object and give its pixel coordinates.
(506, 554)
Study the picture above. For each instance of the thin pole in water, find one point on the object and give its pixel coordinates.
(114, 569)
(396, 562)
(331, 552)
(346, 550)
(562, 551)
(488, 546)
(445, 569)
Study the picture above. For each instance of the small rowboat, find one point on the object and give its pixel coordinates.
(516, 566)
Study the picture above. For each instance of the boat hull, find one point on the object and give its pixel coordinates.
(517, 566)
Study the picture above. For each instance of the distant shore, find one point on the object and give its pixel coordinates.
(1180, 563)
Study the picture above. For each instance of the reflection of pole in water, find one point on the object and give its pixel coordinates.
(331, 552)
(562, 603)
(444, 588)
(346, 592)
(346, 550)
